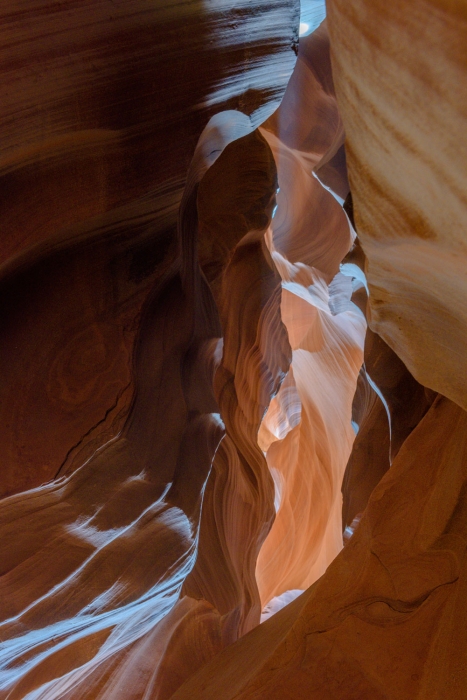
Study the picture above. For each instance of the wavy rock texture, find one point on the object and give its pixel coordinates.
(111, 334)
(387, 406)
(102, 105)
(184, 342)
(387, 620)
(307, 434)
(313, 409)
(407, 173)
(133, 628)
(309, 226)
(95, 560)
(233, 200)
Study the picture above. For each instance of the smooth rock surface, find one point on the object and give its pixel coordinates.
(399, 71)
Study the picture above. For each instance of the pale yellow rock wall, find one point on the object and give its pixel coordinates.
(399, 71)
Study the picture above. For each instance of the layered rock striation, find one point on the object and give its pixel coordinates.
(217, 482)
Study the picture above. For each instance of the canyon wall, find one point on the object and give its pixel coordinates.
(217, 482)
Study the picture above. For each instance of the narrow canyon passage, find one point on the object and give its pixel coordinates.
(233, 294)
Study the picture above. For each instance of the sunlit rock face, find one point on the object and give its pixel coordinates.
(387, 620)
(400, 77)
(199, 434)
(307, 434)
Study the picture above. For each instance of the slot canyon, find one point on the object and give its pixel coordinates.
(233, 339)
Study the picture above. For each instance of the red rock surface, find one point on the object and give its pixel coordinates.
(102, 105)
(197, 432)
